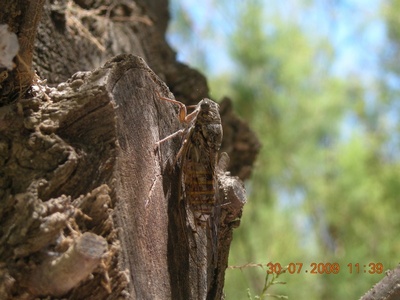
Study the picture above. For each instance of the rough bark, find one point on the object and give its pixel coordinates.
(65, 45)
(386, 289)
(57, 162)
(21, 17)
(72, 131)
(88, 207)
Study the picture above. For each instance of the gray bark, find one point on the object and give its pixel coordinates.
(386, 289)
(88, 207)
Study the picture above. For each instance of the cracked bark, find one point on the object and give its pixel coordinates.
(77, 157)
(101, 127)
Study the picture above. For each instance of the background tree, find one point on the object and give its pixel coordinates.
(325, 187)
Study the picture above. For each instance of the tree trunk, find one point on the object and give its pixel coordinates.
(89, 206)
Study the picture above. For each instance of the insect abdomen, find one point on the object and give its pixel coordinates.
(200, 191)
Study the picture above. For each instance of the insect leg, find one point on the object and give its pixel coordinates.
(183, 116)
(170, 136)
(182, 107)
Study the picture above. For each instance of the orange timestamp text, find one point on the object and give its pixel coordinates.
(324, 268)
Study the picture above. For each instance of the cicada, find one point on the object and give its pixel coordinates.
(197, 159)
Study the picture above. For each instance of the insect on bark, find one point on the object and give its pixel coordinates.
(197, 158)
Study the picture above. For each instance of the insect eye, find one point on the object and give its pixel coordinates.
(205, 104)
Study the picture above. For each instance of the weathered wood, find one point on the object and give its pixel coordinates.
(142, 208)
(63, 47)
(153, 238)
(97, 134)
(56, 276)
(80, 158)
(22, 17)
(386, 289)
(57, 146)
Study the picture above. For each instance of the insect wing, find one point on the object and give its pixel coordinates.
(199, 190)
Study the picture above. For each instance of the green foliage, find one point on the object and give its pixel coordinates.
(270, 280)
(326, 184)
